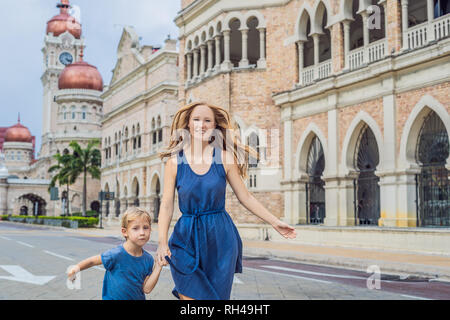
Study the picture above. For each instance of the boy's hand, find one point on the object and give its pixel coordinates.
(72, 273)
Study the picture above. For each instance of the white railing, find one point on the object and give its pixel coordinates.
(441, 27)
(356, 58)
(417, 36)
(324, 69)
(373, 52)
(420, 35)
(308, 75)
(376, 50)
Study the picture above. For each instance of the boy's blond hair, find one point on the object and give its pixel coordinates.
(132, 213)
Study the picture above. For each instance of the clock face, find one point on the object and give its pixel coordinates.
(66, 58)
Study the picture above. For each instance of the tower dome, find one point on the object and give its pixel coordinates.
(18, 133)
(64, 22)
(80, 75)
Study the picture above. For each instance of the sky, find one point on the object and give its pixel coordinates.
(22, 31)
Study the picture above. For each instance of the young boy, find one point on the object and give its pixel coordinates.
(129, 274)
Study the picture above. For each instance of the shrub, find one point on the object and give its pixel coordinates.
(83, 222)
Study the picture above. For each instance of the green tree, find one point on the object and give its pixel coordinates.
(86, 161)
(64, 173)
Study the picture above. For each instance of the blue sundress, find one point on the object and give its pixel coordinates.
(205, 244)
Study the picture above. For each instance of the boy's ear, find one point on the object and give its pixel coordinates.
(124, 232)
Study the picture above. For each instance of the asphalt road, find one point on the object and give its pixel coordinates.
(34, 261)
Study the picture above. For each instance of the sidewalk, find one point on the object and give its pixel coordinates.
(389, 262)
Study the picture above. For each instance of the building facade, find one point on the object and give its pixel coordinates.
(139, 105)
(357, 92)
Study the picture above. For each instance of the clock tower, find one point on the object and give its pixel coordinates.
(62, 46)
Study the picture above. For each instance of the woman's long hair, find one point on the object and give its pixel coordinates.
(224, 136)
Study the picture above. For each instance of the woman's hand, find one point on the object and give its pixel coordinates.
(284, 229)
(163, 251)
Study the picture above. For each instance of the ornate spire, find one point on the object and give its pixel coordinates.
(18, 118)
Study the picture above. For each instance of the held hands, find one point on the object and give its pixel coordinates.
(163, 251)
(284, 229)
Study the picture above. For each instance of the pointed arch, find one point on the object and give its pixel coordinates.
(411, 129)
(351, 140)
(301, 154)
(301, 23)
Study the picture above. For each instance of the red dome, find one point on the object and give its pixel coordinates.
(80, 75)
(18, 133)
(64, 22)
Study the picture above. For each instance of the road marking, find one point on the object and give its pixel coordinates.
(22, 275)
(289, 275)
(414, 297)
(6, 238)
(314, 273)
(25, 244)
(58, 255)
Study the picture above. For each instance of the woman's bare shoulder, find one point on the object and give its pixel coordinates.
(228, 159)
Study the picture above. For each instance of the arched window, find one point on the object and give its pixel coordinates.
(433, 186)
(367, 190)
(235, 42)
(315, 191)
(253, 41)
(83, 112)
(253, 142)
(160, 131)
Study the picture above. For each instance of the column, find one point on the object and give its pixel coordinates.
(365, 17)
(210, 56)
(430, 16)
(330, 176)
(218, 53)
(202, 60)
(346, 43)
(315, 37)
(262, 49)
(195, 64)
(244, 61)
(189, 66)
(289, 214)
(387, 174)
(227, 65)
(405, 23)
(300, 61)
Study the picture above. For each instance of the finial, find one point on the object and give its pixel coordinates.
(63, 6)
(82, 53)
(18, 118)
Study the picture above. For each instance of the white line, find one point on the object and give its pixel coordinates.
(59, 256)
(314, 273)
(289, 275)
(25, 244)
(5, 238)
(414, 297)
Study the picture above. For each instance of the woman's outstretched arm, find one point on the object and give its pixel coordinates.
(250, 202)
(166, 210)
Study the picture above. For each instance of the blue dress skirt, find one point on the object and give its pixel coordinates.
(205, 244)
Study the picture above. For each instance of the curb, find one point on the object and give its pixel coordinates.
(399, 269)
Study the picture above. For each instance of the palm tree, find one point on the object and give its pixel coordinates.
(65, 174)
(86, 161)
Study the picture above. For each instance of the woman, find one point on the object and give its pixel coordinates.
(205, 249)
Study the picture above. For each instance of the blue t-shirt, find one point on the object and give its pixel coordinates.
(125, 274)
